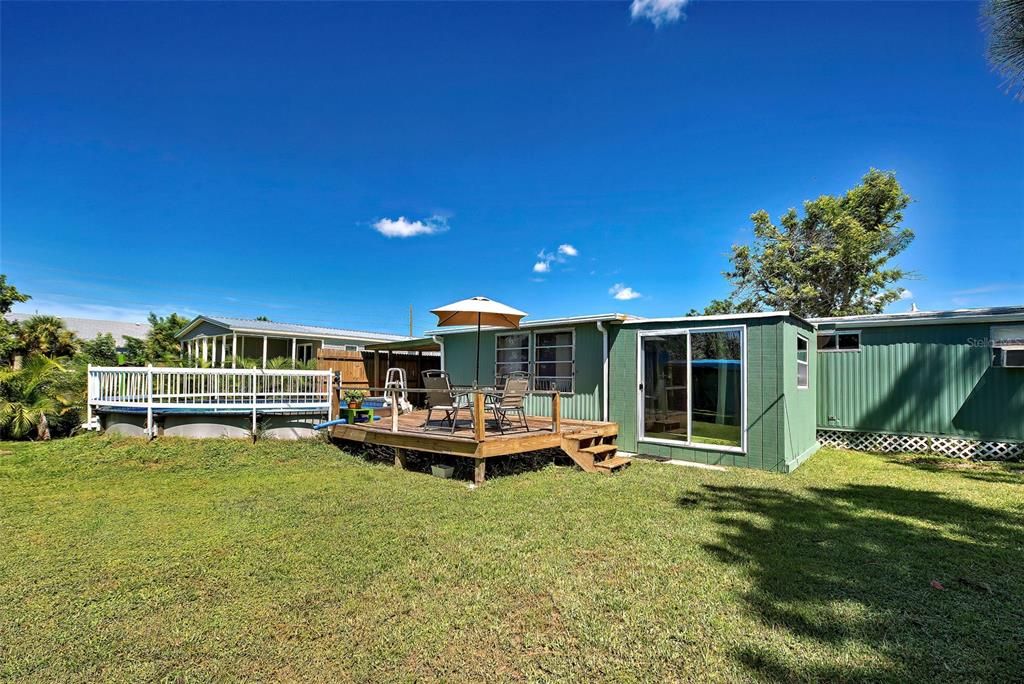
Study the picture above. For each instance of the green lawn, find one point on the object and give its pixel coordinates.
(183, 560)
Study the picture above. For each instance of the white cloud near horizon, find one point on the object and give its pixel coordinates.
(402, 227)
(623, 293)
(658, 12)
(906, 294)
(105, 312)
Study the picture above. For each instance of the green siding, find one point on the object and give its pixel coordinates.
(780, 423)
(925, 379)
(585, 403)
(800, 404)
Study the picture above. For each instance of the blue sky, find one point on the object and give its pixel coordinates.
(242, 159)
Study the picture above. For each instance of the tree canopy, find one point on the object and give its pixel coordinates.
(48, 336)
(9, 295)
(1004, 20)
(833, 260)
(161, 343)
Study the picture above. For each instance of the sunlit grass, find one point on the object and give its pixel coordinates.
(125, 560)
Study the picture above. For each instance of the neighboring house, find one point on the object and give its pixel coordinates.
(219, 340)
(730, 390)
(91, 328)
(760, 390)
(912, 381)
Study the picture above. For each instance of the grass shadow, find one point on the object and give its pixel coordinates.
(421, 461)
(1004, 472)
(849, 570)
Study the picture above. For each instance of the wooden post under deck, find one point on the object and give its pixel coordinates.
(399, 458)
(478, 419)
(478, 471)
(395, 410)
(556, 412)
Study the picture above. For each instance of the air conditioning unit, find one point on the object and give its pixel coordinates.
(1013, 357)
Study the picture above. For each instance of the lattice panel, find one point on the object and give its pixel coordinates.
(946, 446)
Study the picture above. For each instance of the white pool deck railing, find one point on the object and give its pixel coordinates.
(208, 390)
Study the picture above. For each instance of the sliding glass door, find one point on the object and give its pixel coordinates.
(691, 387)
(664, 388)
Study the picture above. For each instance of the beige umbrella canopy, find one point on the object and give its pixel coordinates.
(478, 311)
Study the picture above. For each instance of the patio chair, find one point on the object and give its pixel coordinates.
(510, 402)
(441, 397)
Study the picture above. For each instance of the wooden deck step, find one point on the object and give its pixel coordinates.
(606, 450)
(610, 465)
(580, 436)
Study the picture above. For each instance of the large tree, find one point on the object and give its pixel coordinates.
(833, 260)
(1004, 20)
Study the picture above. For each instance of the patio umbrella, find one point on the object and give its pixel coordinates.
(478, 311)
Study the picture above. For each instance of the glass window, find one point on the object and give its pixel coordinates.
(839, 341)
(511, 353)
(716, 385)
(802, 366)
(554, 356)
(665, 397)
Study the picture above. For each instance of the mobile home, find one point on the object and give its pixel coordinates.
(731, 390)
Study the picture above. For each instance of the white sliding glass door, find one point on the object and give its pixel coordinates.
(692, 385)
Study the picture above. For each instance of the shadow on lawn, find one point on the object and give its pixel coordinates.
(842, 577)
(420, 461)
(1005, 473)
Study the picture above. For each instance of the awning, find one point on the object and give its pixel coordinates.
(419, 344)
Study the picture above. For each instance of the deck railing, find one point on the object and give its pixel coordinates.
(475, 398)
(209, 389)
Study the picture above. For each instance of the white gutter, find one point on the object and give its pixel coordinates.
(440, 342)
(604, 370)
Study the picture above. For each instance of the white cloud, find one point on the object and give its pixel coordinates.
(68, 308)
(402, 227)
(906, 294)
(621, 292)
(658, 11)
(559, 256)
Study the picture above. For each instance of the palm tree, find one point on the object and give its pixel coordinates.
(33, 396)
(1004, 20)
(47, 335)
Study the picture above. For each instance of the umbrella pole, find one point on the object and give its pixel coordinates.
(476, 383)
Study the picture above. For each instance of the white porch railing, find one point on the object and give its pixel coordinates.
(209, 389)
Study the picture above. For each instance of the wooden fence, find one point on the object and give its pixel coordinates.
(363, 370)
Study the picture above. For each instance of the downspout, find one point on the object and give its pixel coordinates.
(440, 342)
(604, 370)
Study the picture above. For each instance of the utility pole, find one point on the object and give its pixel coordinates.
(410, 321)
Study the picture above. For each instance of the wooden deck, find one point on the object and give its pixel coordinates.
(476, 441)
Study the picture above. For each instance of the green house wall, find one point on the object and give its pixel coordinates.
(585, 403)
(924, 379)
(780, 418)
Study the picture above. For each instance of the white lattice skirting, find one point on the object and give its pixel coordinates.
(921, 444)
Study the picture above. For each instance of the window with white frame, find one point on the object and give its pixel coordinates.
(511, 354)
(554, 360)
(839, 341)
(802, 361)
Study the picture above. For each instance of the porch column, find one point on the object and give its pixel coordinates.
(223, 350)
(234, 349)
(294, 343)
(206, 348)
(264, 351)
